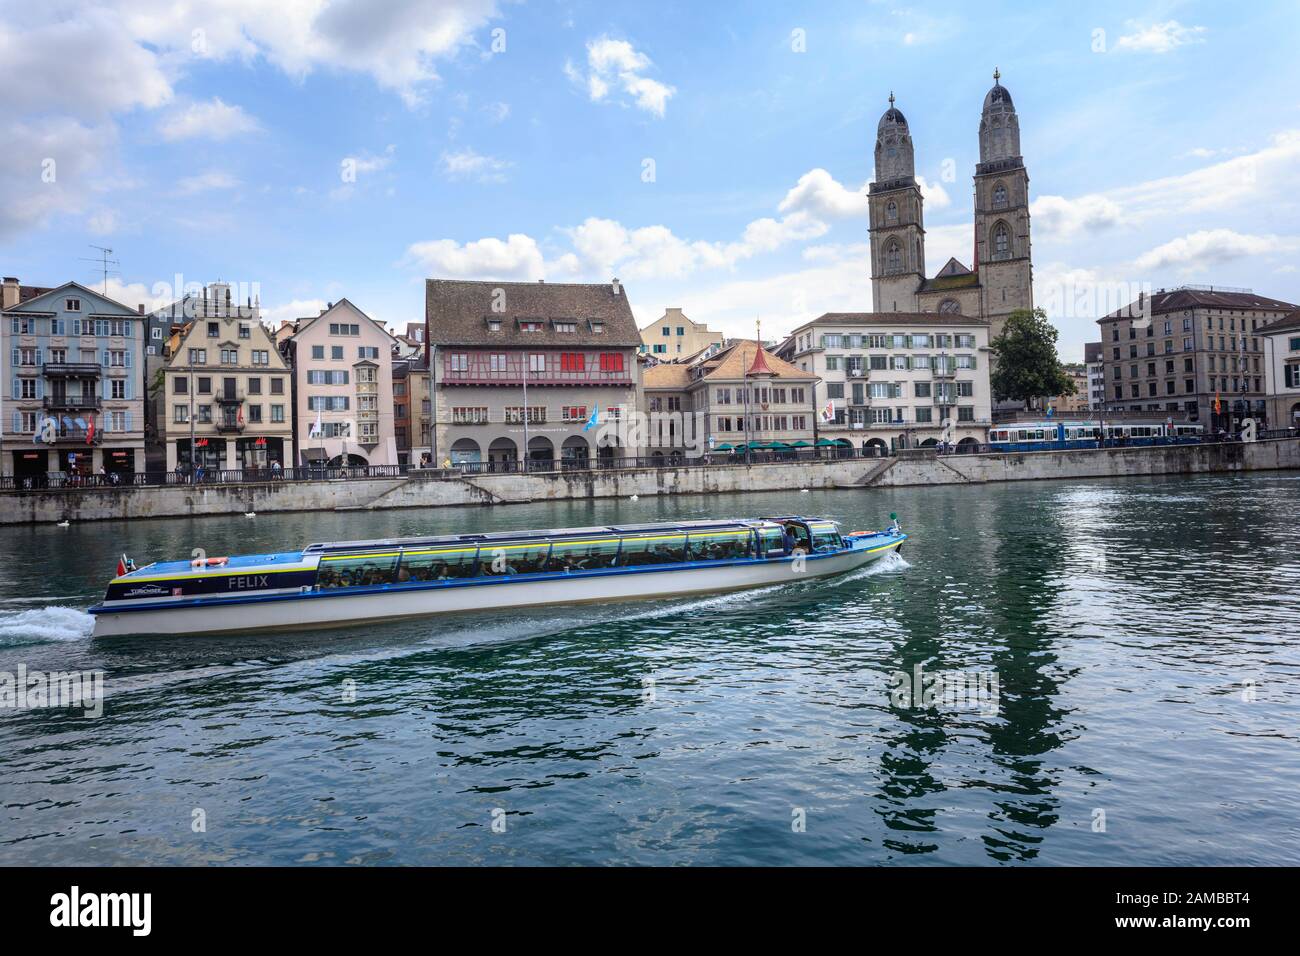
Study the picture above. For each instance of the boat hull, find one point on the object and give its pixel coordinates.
(328, 609)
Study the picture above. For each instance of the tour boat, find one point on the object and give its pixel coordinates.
(361, 582)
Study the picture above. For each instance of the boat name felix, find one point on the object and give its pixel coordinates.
(245, 581)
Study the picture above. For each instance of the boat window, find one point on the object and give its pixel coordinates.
(826, 537)
(722, 545)
(356, 570)
(523, 558)
(653, 549)
(436, 565)
(583, 555)
(771, 541)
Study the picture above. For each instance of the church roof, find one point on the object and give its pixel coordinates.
(998, 96)
(943, 283)
(952, 268)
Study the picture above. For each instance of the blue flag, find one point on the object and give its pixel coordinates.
(593, 420)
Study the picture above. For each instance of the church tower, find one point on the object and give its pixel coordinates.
(1002, 211)
(897, 231)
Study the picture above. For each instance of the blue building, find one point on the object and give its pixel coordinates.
(71, 377)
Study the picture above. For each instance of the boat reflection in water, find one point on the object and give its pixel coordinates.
(362, 581)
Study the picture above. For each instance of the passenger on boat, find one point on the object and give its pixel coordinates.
(788, 540)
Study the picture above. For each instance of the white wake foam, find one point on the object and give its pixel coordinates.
(42, 624)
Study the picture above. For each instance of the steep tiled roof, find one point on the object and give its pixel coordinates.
(737, 360)
(458, 313)
(666, 375)
(1175, 300)
(1288, 323)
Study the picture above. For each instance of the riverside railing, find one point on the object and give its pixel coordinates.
(62, 481)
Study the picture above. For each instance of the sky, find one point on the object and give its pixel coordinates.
(712, 156)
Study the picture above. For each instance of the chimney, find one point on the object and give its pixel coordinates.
(140, 308)
(9, 298)
(615, 286)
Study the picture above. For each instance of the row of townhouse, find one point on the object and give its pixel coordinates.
(92, 386)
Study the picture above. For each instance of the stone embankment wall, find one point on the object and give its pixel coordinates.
(422, 492)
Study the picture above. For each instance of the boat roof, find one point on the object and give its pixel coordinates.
(554, 534)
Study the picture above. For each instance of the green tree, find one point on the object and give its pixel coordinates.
(1027, 366)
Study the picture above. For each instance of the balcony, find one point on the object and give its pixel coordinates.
(70, 403)
(944, 372)
(228, 398)
(71, 369)
(229, 426)
(861, 373)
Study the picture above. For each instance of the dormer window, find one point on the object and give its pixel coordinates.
(566, 326)
(597, 327)
(494, 325)
(530, 325)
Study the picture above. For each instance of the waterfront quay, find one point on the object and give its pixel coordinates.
(376, 489)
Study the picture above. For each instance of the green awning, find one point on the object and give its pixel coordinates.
(725, 446)
(777, 444)
(823, 442)
(800, 444)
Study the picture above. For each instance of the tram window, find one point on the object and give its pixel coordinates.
(826, 538)
(356, 570)
(654, 549)
(524, 558)
(436, 565)
(721, 546)
(583, 555)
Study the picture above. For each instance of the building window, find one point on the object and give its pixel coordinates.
(999, 196)
(336, 353)
(950, 307)
(71, 305)
(277, 414)
(891, 211)
(1001, 241)
(893, 258)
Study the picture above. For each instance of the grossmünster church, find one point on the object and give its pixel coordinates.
(999, 279)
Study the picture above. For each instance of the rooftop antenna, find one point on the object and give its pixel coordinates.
(106, 261)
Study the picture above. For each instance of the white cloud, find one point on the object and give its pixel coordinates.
(294, 309)
(1158, 37)
(517, 258)
(206, 181)
(1197, 251)
(1056, 216)
(468, 164)
(817, 193)
(616, 63)
(213, 119)
(935, 196)
(66, 74)
(497, 112)
(102, 222)
(46, 168)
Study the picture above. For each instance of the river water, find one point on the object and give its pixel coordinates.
(1135, 644)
